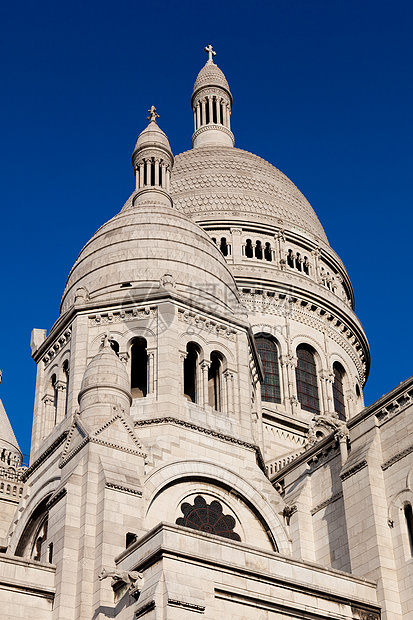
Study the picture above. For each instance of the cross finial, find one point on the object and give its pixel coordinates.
(210, 52)
(153, 114)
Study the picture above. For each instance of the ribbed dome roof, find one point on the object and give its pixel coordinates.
(105, 370)
(222, 182)
(210, 75)
(152, 135)
(142, 245)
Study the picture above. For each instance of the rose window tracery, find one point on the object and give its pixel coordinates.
(209, 518)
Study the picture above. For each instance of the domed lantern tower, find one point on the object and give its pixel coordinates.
(296, 289)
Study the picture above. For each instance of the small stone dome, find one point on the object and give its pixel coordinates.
(106, 371)
(211, 75)
(132, 256)
(152, 136)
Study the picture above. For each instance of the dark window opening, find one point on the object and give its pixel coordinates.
(190, 366)
(145, 173)
(298, 262)
(408, 513)
(55, 397)
(270, 388)
(214, 110)
(160, 175)
(306, 265)
(214, 380)
(139, 368)
(66, 374)
(208, 518)
(214, 239)
(50, 553)
(152, 173)
(130, 539)
(306, 378)
(258, 250)
(267, 252)
(224, 246)
(114, 346)
(248, 249)
(358, 394)
(338, 392)
(207, 112)
(125, 285)
(290, 259)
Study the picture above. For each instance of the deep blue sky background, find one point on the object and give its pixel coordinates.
(322, 89)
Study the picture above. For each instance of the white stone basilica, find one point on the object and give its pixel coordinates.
(200, 445)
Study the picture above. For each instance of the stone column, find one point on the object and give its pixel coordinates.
(194, 119)
(148, 171)
(228, 117)
(157, 162)
(290, 363)
(48, 415)
(327, 380)
(168, 178)
(182, 358)
(141, 174)
(229, 389)
(236, 244)
(203, 114)
(151, 372)
(198, 116)
(60, 387)
(204, 369)
(163, 167)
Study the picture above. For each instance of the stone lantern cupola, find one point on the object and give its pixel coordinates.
(211, 103)
(152, 160)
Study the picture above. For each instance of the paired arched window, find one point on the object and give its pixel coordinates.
(307, 380)
(55, 396)
(338, 391)
(139, 368)
(267, 349)
(190, 371)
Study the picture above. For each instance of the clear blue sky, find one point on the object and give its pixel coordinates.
(322, 89)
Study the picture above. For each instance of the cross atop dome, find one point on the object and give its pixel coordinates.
(211, 53)
(153, 114)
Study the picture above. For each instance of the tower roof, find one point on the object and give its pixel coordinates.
(7, 437)
(211, 75)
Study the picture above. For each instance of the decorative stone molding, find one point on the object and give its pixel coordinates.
(132, 580)
(184, 605)
(203, 323)
(57, 346)
(397, 457)
(122, 489)
(142, 611)
(56, 497)
(327, 502)
(57, 442)
(119, 316)
(353, 470)
(206, 431)
(210, 126)
(395, 406)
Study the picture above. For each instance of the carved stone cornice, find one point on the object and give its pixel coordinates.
(120, 316)
(57, 442)
(397, 457)
(184, 605)
(203, 323)
(327, 502)
(123, 489)
(353, 470)
(57, 346)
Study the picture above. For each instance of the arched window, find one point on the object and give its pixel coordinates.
(65, 369)
(55, 396)
(214, 381)
(270, 389)
(267, 252)
(190, 371)
(338, 391)
(258, 249)
(290, 259)
(298, 261)
(408, 513)
(114, 345)
(248, 249)
(139, 368)
(224, 246)
(306, 377)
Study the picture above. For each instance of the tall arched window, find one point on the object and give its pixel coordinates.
(65, 369)
(190, 371)
(214, 381)
(270, 389)
(139, 368)
(55, 396)
(306, 377)
(338, 391)
(408, 513)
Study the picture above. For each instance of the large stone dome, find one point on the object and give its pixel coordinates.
(144, 250)
(220, 182)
